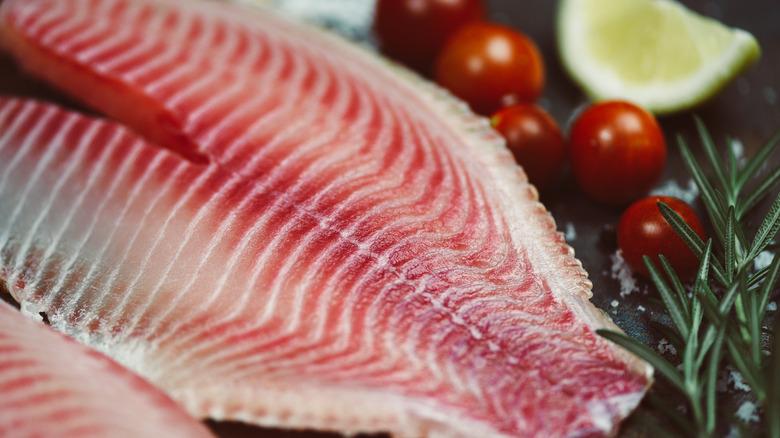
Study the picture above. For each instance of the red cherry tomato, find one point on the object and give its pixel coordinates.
(534, 138)
(414, 31)
(488, 64)
(642, 230)
(617, 151)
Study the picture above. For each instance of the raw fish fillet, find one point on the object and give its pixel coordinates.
(51, 386)
(307, 236)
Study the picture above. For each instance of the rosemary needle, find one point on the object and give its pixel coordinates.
(723, 320)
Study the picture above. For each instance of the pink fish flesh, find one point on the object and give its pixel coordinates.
(51, 386)
(307, 237)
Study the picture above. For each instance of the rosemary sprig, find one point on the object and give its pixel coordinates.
(722, 321)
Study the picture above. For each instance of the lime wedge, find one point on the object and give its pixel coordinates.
(655, 53)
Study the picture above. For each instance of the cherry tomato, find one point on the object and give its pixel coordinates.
(534, 138)
(488, 65)
(642, 230)
(413, 31)
(617, 151)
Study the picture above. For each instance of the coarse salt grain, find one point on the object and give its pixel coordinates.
(763, 259)
(673, 188)
(747, 412)
(623, 274)
(738, 381)
(351, 17)
(664, 346)
(571, 234)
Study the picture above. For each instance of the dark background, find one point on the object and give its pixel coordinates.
(747, 110)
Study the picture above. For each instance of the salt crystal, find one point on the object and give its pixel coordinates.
(747, 412)
(739, 382)
(672, 188)
(763, 259)
(615, 303)
(640, 308)
(772, 306)
(570, 234)
(351, 17)
(664, 346)
(738, 149)
(623, 273)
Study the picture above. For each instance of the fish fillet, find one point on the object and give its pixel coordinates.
(286, 230)
(51, 386)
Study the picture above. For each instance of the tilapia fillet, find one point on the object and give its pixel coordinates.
(287, 231)
(51, 386)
